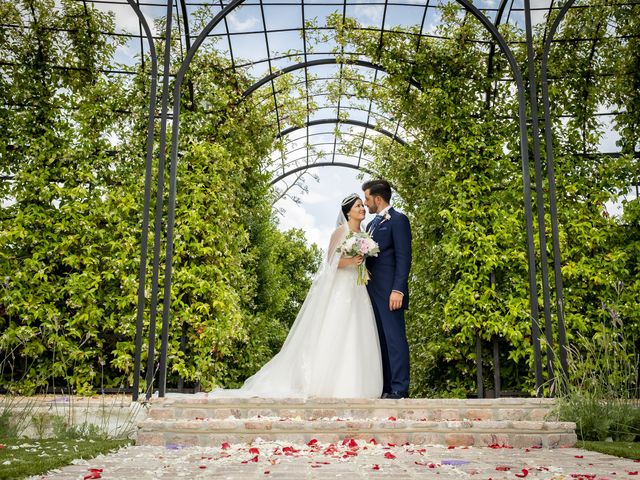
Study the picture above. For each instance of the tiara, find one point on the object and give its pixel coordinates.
(350, 198)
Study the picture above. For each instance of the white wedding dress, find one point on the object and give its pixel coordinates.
(332, 349)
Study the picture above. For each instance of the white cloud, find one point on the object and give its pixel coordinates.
(238, 25)
(296, 216)
(370, 13)
(318, 211)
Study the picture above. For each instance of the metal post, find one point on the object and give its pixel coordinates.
(540, 204)
(159, 200)
(526, 183)
(147, 198)
(496, 350)
(479, 378)
(548, 139)
(496, 367)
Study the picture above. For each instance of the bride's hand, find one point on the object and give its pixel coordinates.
(357, 260)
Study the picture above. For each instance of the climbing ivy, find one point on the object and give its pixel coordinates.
(72, 153)
(460, 181)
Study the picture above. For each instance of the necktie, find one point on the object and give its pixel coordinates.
(374, 223)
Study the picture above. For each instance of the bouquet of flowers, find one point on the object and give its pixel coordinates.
(359, 244)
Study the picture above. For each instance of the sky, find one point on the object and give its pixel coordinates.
(318, 211)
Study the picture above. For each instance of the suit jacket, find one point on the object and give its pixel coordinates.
(390, 269)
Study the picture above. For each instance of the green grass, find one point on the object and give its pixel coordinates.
(33, 457)
(619, 449)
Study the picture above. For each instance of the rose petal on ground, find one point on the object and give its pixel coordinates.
(375, 467)
(389, 455)
(524, 473)
(254, 451)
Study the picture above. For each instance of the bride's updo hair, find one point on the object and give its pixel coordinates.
(348, 202)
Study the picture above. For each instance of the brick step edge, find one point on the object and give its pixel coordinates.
(177, 413)
(202, 400)
(533, 409)
(231, 425)
(548, 435)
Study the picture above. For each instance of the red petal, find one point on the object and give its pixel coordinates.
(311, 442)
(502, 468)
(254, 451)
(451, 447)
(375, 467)
(95, 470)
(373, 441)
(225, 445)
(202, 466)
(632, 473)
(267, 472)
(524, 473)
(289, 450)
(389, 455)
(579, 456)
(393, 419)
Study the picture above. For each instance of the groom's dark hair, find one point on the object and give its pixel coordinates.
(378, 188)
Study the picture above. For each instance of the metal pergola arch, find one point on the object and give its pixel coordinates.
(180, 10)
(179, 78)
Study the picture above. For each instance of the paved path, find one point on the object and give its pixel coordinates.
(263, 460)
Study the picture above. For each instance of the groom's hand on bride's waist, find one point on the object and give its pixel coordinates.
(395, 300)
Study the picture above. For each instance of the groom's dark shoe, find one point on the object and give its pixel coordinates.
(396, 395)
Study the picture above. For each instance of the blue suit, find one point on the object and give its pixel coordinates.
(390, 271)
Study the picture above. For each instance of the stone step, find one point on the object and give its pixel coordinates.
(199, 420)
(213, 432)
(193, 407)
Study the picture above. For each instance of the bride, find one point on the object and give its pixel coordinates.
(332, 349)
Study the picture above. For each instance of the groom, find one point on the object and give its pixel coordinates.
(388, 285)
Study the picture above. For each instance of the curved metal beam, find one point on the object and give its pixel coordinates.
(524, 151)
(296, 161)
(147, 197)
(526, 181)
(315, 63)
(553, 210)
(320, 164)
(357, 123)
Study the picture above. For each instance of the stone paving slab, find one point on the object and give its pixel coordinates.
(350, 460)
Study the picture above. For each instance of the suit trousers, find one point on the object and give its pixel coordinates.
(393, 345)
